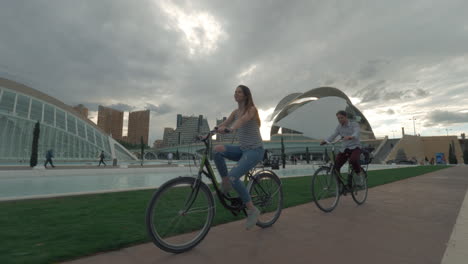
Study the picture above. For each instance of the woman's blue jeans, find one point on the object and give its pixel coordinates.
(247, 159)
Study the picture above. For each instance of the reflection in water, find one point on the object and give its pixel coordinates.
(20, 184)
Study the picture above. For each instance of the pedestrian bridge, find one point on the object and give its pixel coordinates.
(295, 147)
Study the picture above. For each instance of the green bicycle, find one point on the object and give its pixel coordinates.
(328, 184)
(181, 211)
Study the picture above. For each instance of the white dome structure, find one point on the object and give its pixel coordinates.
(313, 114)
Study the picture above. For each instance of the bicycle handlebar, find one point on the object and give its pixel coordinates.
(226, 130)
(212, 133)
(334, 142)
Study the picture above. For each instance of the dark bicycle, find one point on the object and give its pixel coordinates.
(181, 211)
(328, 184)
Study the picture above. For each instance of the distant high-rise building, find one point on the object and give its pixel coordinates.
(82, 110)
(111, 121)
(188, 128)
(167, 131)
(138, 126)
(231, 137)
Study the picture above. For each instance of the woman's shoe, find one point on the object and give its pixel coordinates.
(252, 216)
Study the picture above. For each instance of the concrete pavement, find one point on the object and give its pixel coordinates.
(410, 221)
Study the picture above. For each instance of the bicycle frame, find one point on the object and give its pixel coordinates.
(236, 204)
(340, 177)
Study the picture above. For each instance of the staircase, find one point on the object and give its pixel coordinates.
(384, 150)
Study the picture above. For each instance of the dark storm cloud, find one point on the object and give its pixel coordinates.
(371, 68)
(421, 93)
(371, 92)
(121, 107)
(381, 92)
(90, 106)
(92, 50)
(446, 117)
(102, 52)
(159, 109)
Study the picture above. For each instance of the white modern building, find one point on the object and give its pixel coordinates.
(312, 114)
(70, 135)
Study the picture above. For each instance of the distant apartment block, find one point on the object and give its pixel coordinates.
(158, 143)
(82, 110)
(225, 137)
(138, 126)
(188, 128)
(167, 132)
(110, 121)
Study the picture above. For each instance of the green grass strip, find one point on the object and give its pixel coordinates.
(58, 229)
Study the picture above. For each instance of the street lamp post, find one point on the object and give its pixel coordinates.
(447, 130)
(414, 125)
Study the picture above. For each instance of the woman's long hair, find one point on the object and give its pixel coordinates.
(249, 102)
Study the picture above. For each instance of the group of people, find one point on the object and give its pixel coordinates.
(50, 155)
(245, 121)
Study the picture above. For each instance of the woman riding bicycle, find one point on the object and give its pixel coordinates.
(246, 121)
(349, 131)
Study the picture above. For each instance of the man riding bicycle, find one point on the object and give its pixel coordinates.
(351, 146)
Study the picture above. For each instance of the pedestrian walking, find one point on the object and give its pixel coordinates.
(101, 159)
(49, 156)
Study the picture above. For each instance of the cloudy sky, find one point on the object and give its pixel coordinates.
(397, 60)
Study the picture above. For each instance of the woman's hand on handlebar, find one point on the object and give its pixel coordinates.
(222, 130)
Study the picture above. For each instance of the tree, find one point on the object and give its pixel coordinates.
(35, 143)
(450, 158)
(465, 156)
(283, 155)
(451, 155)
(307, 155)
(142, 144)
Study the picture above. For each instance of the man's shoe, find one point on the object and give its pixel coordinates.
(252, 216)
(359, 180)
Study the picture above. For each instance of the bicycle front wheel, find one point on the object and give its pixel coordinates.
(325, 191)
(266, 192)
(180, 214)
(359, 192)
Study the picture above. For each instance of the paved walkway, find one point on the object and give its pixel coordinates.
(410, 221)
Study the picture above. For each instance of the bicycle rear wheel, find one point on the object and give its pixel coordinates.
(266, 192)
(325, 191)
(359, 193)
(180, 214)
